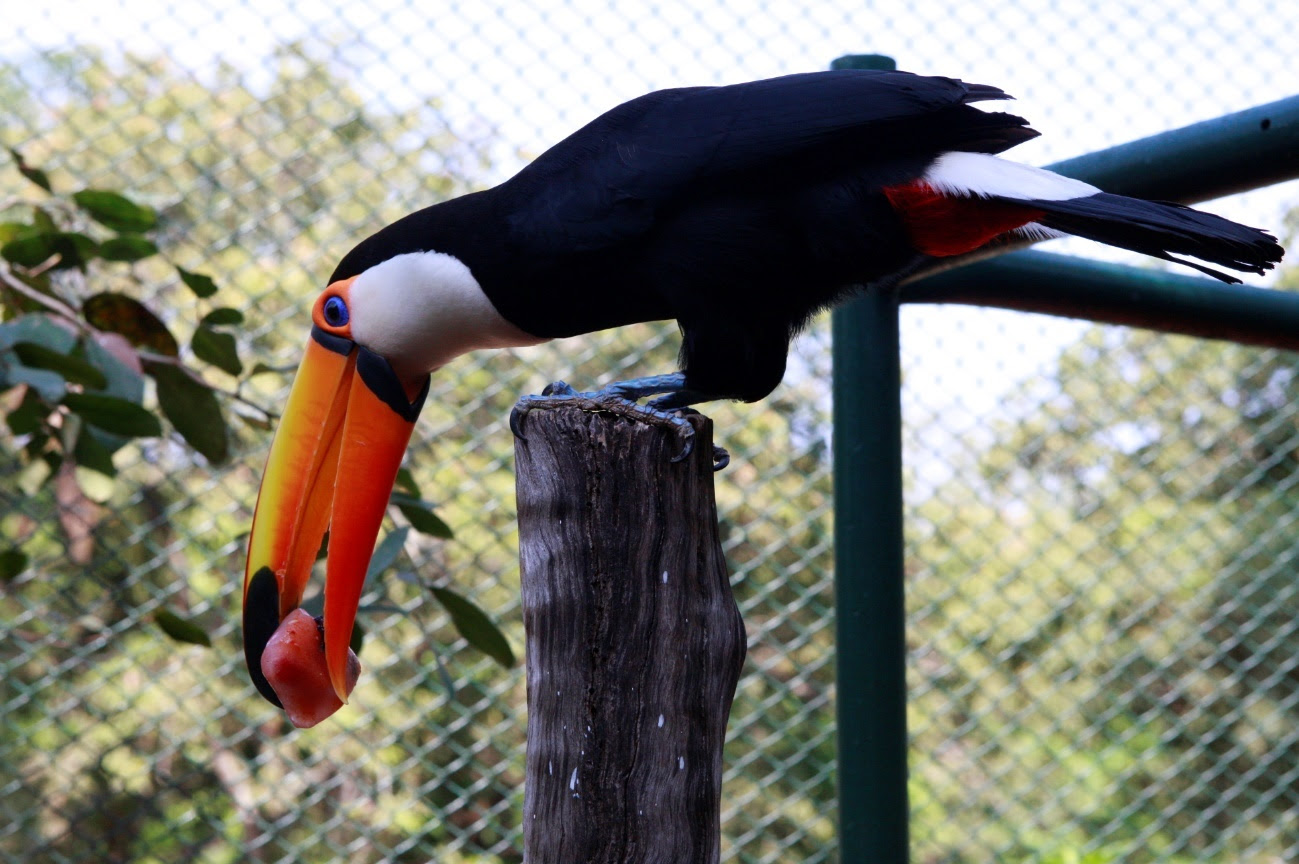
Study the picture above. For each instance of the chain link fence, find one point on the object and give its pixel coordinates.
(1101, 522)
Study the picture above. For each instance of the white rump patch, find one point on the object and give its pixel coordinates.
(983, 175)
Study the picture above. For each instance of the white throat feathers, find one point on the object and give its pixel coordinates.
(423, 309)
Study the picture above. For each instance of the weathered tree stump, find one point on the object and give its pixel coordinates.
(634, 641)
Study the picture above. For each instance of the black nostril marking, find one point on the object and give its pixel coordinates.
(1266, 124)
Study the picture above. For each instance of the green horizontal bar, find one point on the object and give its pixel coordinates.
(1236, 152)
(1073, 287)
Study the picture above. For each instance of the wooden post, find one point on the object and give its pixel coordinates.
(634, 641)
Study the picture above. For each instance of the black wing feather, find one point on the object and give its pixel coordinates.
(608, 180)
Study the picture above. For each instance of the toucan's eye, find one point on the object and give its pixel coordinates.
(336, 312)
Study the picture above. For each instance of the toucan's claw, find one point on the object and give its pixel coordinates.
(555, 390)
(516, 420)
(558, 388)
(615, 399)
(720, 458)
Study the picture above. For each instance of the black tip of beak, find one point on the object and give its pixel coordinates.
(261, 619)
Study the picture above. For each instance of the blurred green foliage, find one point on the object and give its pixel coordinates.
(110, 516)
(1105, 602)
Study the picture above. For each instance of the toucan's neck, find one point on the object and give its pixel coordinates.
(421, 310)
(421, 289)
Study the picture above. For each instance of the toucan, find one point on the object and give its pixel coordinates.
(739, 211)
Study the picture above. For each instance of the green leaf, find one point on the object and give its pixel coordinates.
(127, 248)
(73, 249)
(406, 483)
(115, 211)
(117, 313)
(91, 452)
(201, 285)
(43, 222)
(222, 317)
(27, 417)
(180, 629)
(36, 175)
(385, 554)
(11, 231)
(358, 637)
(29, 250)
(217, 348)
(48, 384)
(38, 329)
(475, 626)
(193, 409)
(114, 415)
(72, 368)
(123, 381)
(12, 563)
(422, 518)
(76, 250)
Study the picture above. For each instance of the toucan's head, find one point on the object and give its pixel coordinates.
(376, 335)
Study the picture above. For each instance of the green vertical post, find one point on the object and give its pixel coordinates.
(870, 609)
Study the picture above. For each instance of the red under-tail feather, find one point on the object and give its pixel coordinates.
(944, 225)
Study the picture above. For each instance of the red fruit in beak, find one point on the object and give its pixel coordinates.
(294, 665)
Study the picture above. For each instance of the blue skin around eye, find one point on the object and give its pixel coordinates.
(335, 312)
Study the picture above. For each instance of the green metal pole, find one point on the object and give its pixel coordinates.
(1063, 285)
(1246, 150)
(870, 609)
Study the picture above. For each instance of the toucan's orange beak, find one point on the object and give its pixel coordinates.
(332, 467)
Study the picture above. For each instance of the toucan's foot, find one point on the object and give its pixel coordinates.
(720, 458)
(619, 399)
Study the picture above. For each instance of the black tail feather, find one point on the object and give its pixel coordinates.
(987, 131)
(1163, 230)
(984, 92)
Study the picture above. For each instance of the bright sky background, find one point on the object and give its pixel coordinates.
(536, 68)
(524, 74)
